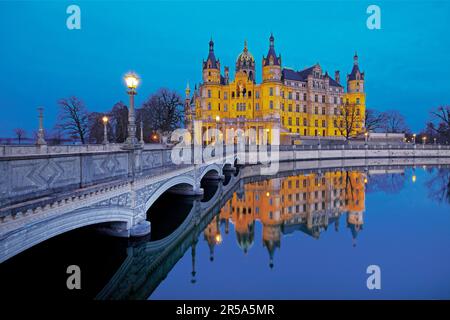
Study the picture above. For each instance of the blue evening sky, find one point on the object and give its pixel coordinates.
(406, 62)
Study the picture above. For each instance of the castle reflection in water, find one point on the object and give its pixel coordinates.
(308, 203)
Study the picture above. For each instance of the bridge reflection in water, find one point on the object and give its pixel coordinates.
(307, 201)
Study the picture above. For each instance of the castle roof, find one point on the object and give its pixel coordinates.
(302, 75)
(272, 54)
(211, 57)
(355, 74)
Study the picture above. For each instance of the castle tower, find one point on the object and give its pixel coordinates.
(271, 63)
(187, 108)
(355, 80)
(355, 96)
(211, 67)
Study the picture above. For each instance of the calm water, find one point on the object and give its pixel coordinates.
(310, 236)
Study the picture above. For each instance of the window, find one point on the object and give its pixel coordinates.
(209, 93)
(282, 106)
(218, 106)
(209, 105)
(271, 92)
(323, 99)
(297, 121)
(290, 121)
(225, 95)
(323, 110)
(316, 123)
(257, 106)
(323, 123)
(316, 98)
(232, 94)
(335, 100)
(305, 109)
(357, 112)
(316, 110)
(297, 108)
(290, 108)
(257, 94)
(304, 132)
(357, 101)
(305, 122)
(219, 94)
(297, 96)
(290, 95)
(225, 107)
(271, 104)
(304, 97)
(282, 121)
(335, 111)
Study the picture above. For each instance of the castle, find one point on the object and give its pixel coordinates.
(304, 103)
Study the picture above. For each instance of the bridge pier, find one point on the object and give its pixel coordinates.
(186, 190)
(143, 228)
(119, 229)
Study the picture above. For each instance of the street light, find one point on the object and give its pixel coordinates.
(434, 140)
(366, 134)
(319, 138)
(414, 138)
(131, 81)
(142, 132)
(424, 139)
(216, 136)
(40, 135)
(105, 131)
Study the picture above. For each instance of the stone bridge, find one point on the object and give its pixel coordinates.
(46, 191)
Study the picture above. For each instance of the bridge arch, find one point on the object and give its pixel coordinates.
(29, 236)
(211, 168)
(176, 181)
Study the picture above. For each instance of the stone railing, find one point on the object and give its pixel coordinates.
(25, 177)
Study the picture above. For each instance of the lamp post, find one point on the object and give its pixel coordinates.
(40, 136)
(319, 139)
(142, 132)
(216, 136)
(414, 139)
(105, 130)
(434, 141)
(132, 82)
(366, 134)
(424, 139)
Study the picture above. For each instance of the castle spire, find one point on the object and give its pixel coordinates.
(355, 59)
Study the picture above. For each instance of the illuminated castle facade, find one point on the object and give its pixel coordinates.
(307, 102)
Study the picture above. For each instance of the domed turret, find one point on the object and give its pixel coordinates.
(246, 63)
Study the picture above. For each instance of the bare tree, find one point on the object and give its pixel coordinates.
(20, 134)
(73, 118)
(162, 112)
(439, 185)
(374, 120)
(441, 122)
(349, 120)
(119, 122)
(395, 122)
